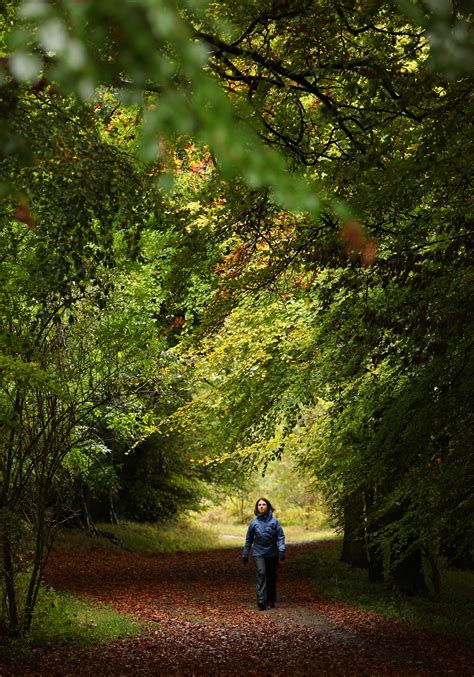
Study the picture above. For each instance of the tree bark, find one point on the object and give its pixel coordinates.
(408, 574)
(354, 551)
(39, 560)
(85, 512)
(112, 514)
(9, 575)
(374, 549)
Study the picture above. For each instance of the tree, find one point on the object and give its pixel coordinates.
(355, 96)
(63, 356)
(338, 334)
(80, 47)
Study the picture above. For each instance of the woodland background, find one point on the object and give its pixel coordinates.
(234, 233)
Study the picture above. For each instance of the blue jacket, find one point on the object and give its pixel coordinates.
(265, 536)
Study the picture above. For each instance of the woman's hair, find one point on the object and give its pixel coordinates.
(269, 505)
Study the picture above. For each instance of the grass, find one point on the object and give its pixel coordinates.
(293, 534)
(61, 619)
(452, 614)
(229, 530)
(194, 534)
(176, 537)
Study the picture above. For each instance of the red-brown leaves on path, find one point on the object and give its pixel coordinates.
(203, 621)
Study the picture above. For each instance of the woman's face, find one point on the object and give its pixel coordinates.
(262, 507)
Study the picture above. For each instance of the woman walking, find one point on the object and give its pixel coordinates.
(267, 540)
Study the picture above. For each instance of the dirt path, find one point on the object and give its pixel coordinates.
(203, 621)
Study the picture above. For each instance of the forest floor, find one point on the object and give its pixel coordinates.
(201, 619)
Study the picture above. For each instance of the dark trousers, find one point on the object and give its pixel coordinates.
(266, 571)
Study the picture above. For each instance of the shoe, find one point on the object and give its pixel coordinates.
(271, 605)
(262, 607)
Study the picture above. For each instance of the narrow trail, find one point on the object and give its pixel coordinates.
(203, 621)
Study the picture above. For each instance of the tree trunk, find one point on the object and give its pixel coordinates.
(85, 512)
(375, 556)
(374, 549)
(354, 550)
(435, 576)
(408, 574)
(112, 514)
(32, 595)
(9, 575)
(458, 557)
(43, 533)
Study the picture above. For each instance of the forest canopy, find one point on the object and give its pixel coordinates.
(232, 232)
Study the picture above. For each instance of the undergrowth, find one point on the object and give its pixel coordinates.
(451, 613)
(186, 536)
(140, 537)
(61, 619)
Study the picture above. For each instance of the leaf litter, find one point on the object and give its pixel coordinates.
(201, 619)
